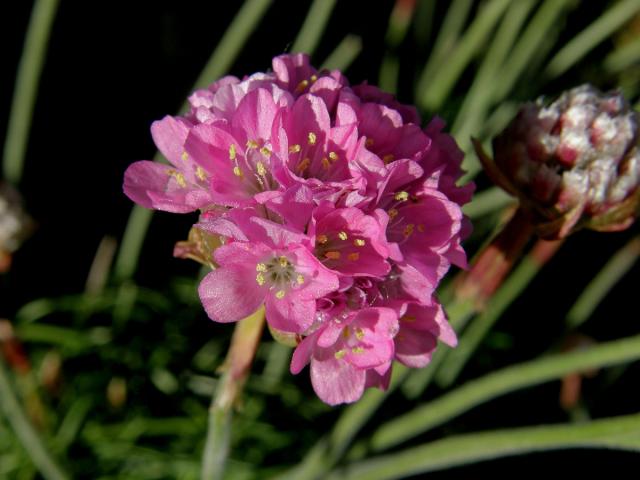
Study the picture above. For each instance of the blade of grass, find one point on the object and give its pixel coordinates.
(30, 440)
(447, 38)
(313, 26)
(26, 88)
(602, 28)
(621, 433)
(486, 202)
(511, 289)
(623, 57)
(534, 35)
(236, 36)
(603, 282)
(481, 390)
(435, 94)
(344, 54)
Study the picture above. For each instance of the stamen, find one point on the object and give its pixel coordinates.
(294, 148)
(326, 164)
(184, 156)
(311, 138)
(280, 294)
(237, 172)
(332, 255)
(300, 279)
(353, 256)
(260, 168)
(357, 350)
(314, 78)
(401, 196)
(265, 151)
(340, 354)
(359, 333)
(392, 213)
(261, 267)
(252, 144)
(260, 279)
(302, 85)
(333, 156)
(283, 261)
(322, 239)
(359, 242)
(302, 166)
(368, 142)
(388, 158)
(200, 173)
(408, 230)
(342, 235)
(232, 152)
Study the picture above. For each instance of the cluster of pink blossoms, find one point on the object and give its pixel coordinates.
(335, 209)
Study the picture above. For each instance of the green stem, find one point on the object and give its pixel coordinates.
(344, 54)
(26, 88)
(244, 344)
(621, 433)
(31, 442)
(507, 380)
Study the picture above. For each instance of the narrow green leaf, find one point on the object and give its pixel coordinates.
(313, 27)
(344, 54)
(434, 95)
(473, 393)
(603, 282)
(621, 433)
(623, 57)
(26, 88)
(236, 36)
(601, 29)
(487, 201)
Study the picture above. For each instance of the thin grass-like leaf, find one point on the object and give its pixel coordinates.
(313, 27)
(236, 36)
(486, 202)
(623, 57)
(31, 441)
(601, 29)
(435, 94)
(512, 288)
(622, 433)
(344, 54)
(510, 379)
(26, 88)
(603, 282)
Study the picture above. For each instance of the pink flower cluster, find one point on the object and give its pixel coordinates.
(336, 211)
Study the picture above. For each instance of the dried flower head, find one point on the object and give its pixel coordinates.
(331, 206)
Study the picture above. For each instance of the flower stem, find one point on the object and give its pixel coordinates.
(237, 365)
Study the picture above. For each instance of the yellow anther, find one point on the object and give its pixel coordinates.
(302, 85)
(184, 156)
(252, 144)
(261, 267)
(260, 279)
(200, 173)
(303, 165)
(421, 227)
(340, 354)
(408, 230)
(346, 333)
(357, 350)
(300, 279)
(408, 318)
(359, 333)
(314, 78)
(295, 148)
(359, 242)
(322, 239)
(232, 152)
(388, 158)
(237, 172)
(353, 256)
(311, 138)
(180, 179)
(368, 142)
(260, 169)
(280, 294)
(283, 261)
(333, 156)
(401, 196)
(332, 255)
(326, 164)
(393, 213)
(342, 235)
(265, 151)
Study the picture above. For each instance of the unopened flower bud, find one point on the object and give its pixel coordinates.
(574, 163)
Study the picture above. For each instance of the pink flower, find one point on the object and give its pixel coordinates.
(334, 209)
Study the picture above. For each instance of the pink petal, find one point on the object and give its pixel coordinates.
(336, 381)
(169, 135)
